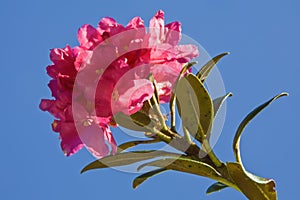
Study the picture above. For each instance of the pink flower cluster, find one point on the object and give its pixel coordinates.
(108, 73)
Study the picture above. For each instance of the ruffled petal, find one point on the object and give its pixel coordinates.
(184, 53)
(173, 33)
(93, 138)
(88, 36)
(156, 29)
(135, 23)
(63, 60)
(58, 55)
(70, 141)
(129, 95)
(53, 107)
(165, 76)
(58, 93)
(109, 27)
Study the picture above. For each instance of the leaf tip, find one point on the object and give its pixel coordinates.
(283, 94)
(83, 170)
(216, 187)
(134, 185)
(86, 168)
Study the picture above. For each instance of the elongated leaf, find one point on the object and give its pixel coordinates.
(126, 158)
(137, 122)
(216, 187)
(130, 144)
(187, 165)
(173, 95)
(251, 188)
(218, 102)
(142, 178)
(206, 69)
(244, 123)
(194, 106)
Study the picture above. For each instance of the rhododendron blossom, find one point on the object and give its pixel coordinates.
(119, 76)
(109, 73)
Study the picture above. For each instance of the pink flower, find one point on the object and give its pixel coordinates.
(108, 73)
(161, 33)
(88, 37)
(73, 135)
(167, 57)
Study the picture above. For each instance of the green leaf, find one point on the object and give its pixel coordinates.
(126, 158)
(130, 144)
(218, 102)
(142, 178)
(185, 68)
(251, 188)
(194, 106)
(244, 123)
(216, 187)
(185, 164)
(206, 69)
(137, 121)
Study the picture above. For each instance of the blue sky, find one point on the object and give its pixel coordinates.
(263, 38)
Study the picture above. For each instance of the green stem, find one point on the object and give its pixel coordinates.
(160, 116)
(172, 109)
(211, 154)
(161, 136)
(155, 106)
(236, 151)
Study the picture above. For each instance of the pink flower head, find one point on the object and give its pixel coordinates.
(73, 137)
(108, 73)
(167, 57)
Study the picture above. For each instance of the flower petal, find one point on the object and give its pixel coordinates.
(173, 33)
(156, 29)
(135, 23)
(131, 94)
(165, 76)
(109, 27)
(93, 138)
(63, 60)
(70, 141)
(88, 36)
